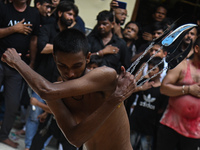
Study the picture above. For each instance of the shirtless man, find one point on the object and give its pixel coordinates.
(88, 105)
(180, 122)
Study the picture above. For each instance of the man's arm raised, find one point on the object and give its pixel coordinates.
(48, 91)
(79, 133)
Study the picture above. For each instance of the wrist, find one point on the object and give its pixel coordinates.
(183, 89)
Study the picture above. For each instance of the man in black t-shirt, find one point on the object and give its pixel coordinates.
(108, 46)
(19, 25)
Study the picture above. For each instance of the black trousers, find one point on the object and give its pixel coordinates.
(168, 139)
(53, 129)
(12, 82)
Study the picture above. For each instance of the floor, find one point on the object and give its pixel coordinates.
(20, 140)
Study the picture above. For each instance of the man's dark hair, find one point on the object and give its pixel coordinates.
(159, 26)
(105, 15)
(64, 6)
(71, 41)
(41, 2)
(156, 60)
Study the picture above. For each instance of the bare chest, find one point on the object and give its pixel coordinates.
(84, 105)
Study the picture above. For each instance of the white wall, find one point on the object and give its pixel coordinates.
(89, 9)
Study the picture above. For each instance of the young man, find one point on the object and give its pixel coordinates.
(150, 105)
(130, 35)
(180, 122)
(87, 105)
(102, 38)
(45, 65)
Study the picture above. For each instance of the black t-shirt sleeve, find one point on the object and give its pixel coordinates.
(43, 37)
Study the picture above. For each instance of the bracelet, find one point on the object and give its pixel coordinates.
(97, 53)
(183, 91)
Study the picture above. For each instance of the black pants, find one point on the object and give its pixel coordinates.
(53, 129)
(12, 81)
(168, 139)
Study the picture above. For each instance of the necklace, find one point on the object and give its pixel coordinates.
(78, 99)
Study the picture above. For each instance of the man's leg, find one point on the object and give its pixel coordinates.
(60, 137)
(167, 138)
(189, 143)
(43, 133)
(12, 89)
(32, 122)
(146, 142)
(135, 139)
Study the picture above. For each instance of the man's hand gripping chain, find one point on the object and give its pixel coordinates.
(172, 44)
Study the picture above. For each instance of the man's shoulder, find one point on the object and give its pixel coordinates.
(104, 70)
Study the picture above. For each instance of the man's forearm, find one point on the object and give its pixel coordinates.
(6, 31)
(48, 49)
(78, 134)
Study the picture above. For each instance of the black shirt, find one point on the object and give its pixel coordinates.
(145, 114)
(45, 64)
(111, 60)
(9, 16)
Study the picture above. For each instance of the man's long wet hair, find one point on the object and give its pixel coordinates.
(71, 41)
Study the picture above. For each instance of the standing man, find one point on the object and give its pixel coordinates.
(120, 13)
(180, 122)
(87, 105)
(19, 25)
(45, 65)
(104, 43)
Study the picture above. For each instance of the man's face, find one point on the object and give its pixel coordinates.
(191, 35)
(67, 18)
(131, 31)
(153, 72)
(157, 33)
(71, 65)
(120, 15)
(55, 2)
(44, 9)
(160, 14)
(104, 27)
(157, 51)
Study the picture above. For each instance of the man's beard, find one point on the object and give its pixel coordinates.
(65, 22)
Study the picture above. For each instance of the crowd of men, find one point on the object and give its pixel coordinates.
(76, 87)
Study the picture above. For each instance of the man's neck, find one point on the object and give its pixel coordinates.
(106, 38)
(61, 27)
(19, 6)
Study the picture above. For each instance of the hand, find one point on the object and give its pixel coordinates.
(125, 86)
(11, 57)
(146, 86)
(42, 116)
(113, 4)
(110, 50)
(22, 28)
(195, 90)
(33, 101)
(147, 36)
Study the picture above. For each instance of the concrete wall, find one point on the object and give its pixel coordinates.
(89, 9)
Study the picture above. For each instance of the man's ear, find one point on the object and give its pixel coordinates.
(196, 49)
(88, 57)
(38, 5)
(60, 14)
